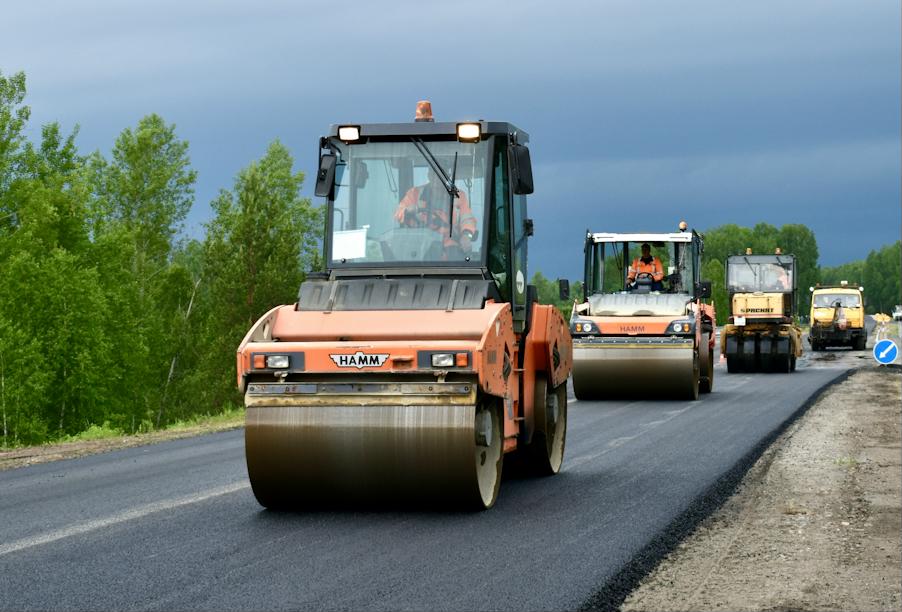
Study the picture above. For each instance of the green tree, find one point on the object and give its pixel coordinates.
(13, 117)
(58, 303)
(24, 382)
(147, 188)
(881, 278)
(726, 240)
(262, 239)
(549, 293)
(140, 199)
(713, 270)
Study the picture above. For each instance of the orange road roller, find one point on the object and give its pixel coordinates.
(643, 328)
(420, 358)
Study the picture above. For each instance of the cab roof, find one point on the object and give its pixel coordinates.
(849, 289)
(425, 129)
(674, 237)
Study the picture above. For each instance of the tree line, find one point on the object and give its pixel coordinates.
(106, 317)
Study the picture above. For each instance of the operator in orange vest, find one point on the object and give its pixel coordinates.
(647, 265)
(428, 205)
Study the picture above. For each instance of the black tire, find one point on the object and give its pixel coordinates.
(783, 363)
(693, 389)
(706, 365)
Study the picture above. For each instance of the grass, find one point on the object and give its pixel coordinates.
(231, 418)
(848, 462)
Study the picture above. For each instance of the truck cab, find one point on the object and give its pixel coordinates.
(837, 317)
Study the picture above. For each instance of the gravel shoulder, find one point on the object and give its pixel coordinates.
(815, 523)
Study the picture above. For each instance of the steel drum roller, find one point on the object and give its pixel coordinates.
(305, 451)
(602, 370)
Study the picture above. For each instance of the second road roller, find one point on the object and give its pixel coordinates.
(408, 370)
(762, 335)
(643, 329)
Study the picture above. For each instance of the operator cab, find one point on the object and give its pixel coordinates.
(761, 273)
(429, 209)
(610, 257)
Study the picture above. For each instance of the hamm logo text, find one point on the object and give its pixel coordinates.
(359, 360)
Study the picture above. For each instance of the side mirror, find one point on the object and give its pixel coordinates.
(521, 169)
(703, 289)
(563, 286)
(325, 176)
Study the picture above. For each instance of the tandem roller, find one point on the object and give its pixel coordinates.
(643, 329)
(419, 359)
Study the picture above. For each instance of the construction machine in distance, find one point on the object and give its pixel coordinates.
(837, 317)
(637, 340)
(420, 358)
(761, 335)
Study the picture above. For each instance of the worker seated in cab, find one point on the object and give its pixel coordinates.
(646, 273)
(428, 206)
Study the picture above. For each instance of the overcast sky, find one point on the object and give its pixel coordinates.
(640, 114)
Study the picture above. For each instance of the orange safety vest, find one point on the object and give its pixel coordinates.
(436, 218)
(654, 268)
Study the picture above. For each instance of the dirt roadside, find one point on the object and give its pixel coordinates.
(814, 525)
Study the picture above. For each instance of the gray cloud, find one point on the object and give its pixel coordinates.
(715, 111)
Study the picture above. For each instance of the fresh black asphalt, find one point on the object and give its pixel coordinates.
(175, 526)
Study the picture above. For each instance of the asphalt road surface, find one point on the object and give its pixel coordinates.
(175, 525)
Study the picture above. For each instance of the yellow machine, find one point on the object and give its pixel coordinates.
(761, 335)
(837, 317)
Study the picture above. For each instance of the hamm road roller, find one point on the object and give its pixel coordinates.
(761, 335)
(420, 358)
(643, 329)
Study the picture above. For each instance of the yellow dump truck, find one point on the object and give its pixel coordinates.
(837, 317)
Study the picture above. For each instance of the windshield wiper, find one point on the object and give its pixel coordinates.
(433, 163)
(754, 271)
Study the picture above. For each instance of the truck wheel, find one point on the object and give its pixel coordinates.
(861, 343)
(706, 365)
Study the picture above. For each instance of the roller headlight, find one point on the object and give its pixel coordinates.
(443, 360)
(277, 362)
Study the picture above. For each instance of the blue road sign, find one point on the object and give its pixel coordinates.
(886, 351)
